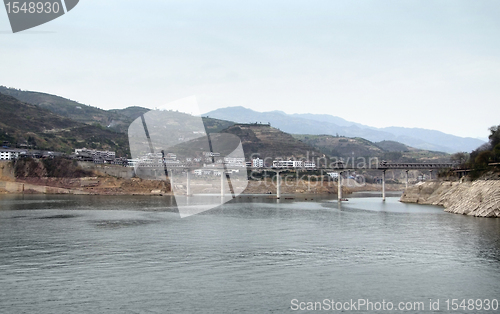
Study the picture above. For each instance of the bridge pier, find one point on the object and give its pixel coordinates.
(171, 179)
(383, 185)
(406, 178)
(278, 185)
(222, 184)
(339, 186)
(430, 174)
(188, 184)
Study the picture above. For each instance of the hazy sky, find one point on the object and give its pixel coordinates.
(430, 64)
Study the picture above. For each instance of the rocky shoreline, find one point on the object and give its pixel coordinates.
(480, 198)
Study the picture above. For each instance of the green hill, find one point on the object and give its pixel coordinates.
(392, 146)
(341, 146)
(50, 122)
(131, 113)
(344, 147)
(76, 111)
(31, 126)
(114, 119)
(270, 142)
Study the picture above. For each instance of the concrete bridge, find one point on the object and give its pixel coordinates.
(382, 166)
(340, 168)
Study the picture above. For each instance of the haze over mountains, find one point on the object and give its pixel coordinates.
(332, 125)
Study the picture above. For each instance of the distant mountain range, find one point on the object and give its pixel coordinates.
(45, 121)
(317, 124)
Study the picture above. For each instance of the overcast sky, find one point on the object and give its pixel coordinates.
(429, 64)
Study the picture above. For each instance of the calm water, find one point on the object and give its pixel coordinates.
(105, 254)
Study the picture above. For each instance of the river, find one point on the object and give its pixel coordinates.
(132, 254)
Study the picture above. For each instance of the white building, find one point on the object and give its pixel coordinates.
(6, 154)
(171, 156)
(132, 162)
(207, 172)
(95, 153)
(293, 164)
(257, 163)
(309, 164)
(333, 175)
(234, 161)
(211, 154)
(287, 164)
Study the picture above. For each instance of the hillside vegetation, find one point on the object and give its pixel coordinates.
(53, 123)
(72, 109)
(114, 119)
(270, 142)
(484, 159)
(38, 128)
(344, 147)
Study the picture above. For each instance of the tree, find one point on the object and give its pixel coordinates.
(496, 152)
(484, 158)
(494, 136)
(459, 158)
(32, 141)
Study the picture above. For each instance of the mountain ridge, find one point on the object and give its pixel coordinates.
(35, 127)
(115, 119)
(39, 128)
(297, 124)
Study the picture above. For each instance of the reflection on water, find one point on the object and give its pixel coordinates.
(108, 254)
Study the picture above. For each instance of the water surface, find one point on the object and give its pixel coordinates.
(108, 254)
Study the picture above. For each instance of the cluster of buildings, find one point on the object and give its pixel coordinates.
(294, 164)
(83, 154)
(94, 153)
(152, 160)
(209, 162)
(7, 154)
(98, 156)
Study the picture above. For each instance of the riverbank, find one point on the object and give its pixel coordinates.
(115, 180)
(108, 185)
(99, 183)
(480, 198)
